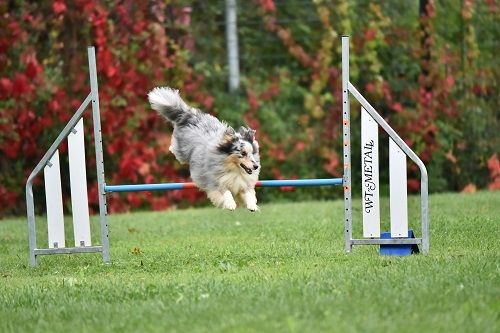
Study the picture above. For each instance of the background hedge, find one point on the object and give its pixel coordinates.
(430, 68)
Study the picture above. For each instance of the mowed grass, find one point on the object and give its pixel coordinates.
(281, 270)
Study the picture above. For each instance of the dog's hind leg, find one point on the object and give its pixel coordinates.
(250, 199)
(173, 150)
(224, 200)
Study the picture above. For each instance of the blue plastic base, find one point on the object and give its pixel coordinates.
(398, 249)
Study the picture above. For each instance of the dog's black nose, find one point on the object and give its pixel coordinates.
(255, 166)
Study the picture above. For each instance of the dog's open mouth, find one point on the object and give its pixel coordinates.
(247, 170)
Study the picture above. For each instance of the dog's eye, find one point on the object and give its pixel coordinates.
(244, 153)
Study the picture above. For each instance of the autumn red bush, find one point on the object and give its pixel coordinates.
(44, 78)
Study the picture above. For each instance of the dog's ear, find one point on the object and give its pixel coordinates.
(255, 146)
(242, 131)
(247, 133)
(230, 133)
(226, 145)
(252, 133)
(250, 137)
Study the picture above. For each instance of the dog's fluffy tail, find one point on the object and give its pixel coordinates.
(168, 103)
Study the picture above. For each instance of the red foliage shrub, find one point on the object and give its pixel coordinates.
(494, 168)
(134, 54)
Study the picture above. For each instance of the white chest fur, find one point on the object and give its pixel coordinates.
(236, 181)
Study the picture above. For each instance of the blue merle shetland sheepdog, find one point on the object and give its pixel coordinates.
(223, 162)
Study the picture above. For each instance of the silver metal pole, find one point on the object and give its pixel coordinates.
(30, 207)
(424, 197)
(232, 45)
(347, 144)
(99, 155)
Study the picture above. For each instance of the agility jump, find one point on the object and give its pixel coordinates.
(400, 240)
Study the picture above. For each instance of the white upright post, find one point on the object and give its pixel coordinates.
(397, 191)
(78, 182)
(370, 176)
(53, 197)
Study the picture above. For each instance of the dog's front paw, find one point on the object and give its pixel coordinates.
(253, 207)
(229, 205)
(228, 201)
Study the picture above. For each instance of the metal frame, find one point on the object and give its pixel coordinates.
(93, 98)
(346, 88)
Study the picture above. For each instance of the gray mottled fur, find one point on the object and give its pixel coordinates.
(196, 140)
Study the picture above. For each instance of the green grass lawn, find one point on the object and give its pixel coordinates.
(283, 269)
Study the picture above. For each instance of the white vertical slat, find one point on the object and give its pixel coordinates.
(53, 197)
(398, 192)
(370, 175)
(78, 181)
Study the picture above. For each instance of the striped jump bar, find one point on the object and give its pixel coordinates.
(260, 183)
